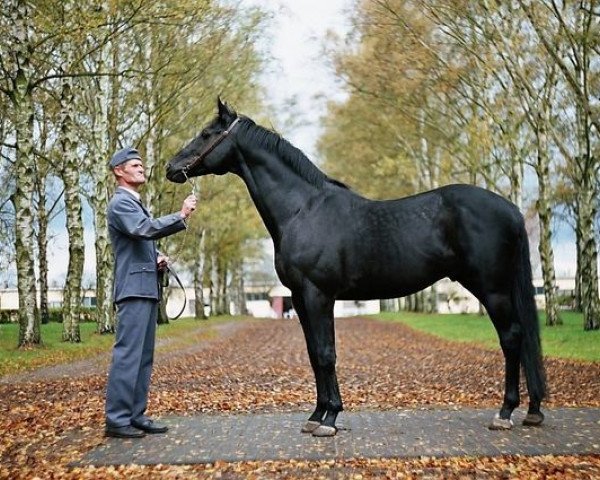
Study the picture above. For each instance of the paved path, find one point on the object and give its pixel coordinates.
(366, 434)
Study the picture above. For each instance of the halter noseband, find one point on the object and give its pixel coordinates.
(197, 160)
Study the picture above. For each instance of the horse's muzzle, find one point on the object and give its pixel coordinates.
(175, 175)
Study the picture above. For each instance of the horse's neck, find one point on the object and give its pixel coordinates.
(276, 189)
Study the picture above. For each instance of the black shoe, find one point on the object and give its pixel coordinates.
(124, 432)
(149, 426)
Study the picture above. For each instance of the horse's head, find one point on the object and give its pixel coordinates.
(210, 152)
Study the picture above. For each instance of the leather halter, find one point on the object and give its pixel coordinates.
(222, 136)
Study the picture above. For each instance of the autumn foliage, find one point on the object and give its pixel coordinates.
(262, 366)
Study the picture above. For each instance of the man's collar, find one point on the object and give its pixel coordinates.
(131, 192)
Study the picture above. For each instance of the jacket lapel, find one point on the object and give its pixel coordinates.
(139, 202)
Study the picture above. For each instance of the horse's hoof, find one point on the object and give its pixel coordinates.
(310, 426)
(533, 419)
(324, 431)
(501, 423)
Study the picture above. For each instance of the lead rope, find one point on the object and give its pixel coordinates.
(194, 192)
(191, 180)
(170, 270)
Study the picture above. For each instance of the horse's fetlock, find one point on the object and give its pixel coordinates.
(511, 400)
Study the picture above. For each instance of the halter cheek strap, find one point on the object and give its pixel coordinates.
(194, 163)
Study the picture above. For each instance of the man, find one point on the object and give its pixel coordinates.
(136, 293)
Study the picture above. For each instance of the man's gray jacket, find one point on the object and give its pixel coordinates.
(132, 233)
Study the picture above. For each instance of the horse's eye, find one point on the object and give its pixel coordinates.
(205, 134)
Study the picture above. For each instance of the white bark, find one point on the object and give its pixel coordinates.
(22, 102)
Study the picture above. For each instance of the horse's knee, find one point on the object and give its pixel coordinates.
(326, 358)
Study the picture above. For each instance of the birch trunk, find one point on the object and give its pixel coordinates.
(74, 221)
(587, 188)
(218, 286)
(199, 280)
(545, 217)
(237, 289)
(105, 317)
(150, 188)
(577, 293)
(42, 244)
(590, 302)
(516, 176)
(224, 291)
(22, 102)
(163, 317)
(214, 286)
(426, 173)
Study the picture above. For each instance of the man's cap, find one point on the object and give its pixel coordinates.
(124, 155)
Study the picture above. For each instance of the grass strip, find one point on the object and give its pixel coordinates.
(568, 340)
(54, 350)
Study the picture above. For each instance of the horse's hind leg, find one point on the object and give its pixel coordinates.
(316, 315)
(534, 415)
(501, 312)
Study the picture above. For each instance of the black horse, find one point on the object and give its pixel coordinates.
(331, 243)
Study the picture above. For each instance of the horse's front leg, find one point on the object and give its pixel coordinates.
(315, 310)
(318, 414)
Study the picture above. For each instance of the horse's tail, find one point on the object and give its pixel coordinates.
(526, 311)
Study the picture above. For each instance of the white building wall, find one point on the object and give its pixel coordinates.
(452, 298)
(260, 309)
(351, 308)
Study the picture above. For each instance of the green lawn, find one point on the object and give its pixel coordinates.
(565, 341)
(54, 351)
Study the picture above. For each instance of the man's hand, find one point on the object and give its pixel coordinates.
(163, 262)
(189, 205)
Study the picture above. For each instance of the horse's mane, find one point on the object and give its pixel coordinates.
(275, 143)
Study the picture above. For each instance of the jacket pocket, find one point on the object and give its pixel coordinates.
(142, 279)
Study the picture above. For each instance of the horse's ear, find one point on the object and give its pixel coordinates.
(224, 110)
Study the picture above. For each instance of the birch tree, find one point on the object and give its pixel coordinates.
(74, 221)
(505, 31)
(575, 25)
(46, 206)
(100, 106)
(17, 84)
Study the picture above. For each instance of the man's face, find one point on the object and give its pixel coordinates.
(131, 173)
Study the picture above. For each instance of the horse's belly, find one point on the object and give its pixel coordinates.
(382, 287)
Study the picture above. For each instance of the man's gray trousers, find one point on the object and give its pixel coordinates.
(133, 355)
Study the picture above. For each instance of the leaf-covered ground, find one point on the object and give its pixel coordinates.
(262, 366)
